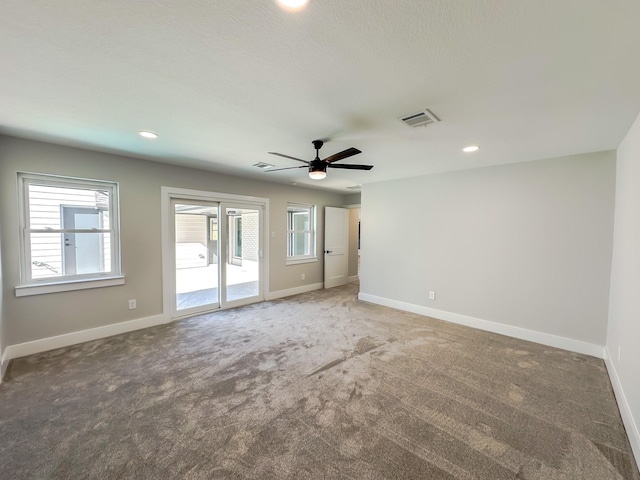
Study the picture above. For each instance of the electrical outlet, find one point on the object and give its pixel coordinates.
(132, 304)
(432, 295)
(619, 353)
(303, 276)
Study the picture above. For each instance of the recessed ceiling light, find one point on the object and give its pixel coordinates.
(147, 134)
(292, 4)
(471, 148)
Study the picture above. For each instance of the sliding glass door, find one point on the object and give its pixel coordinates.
(196, 254)
(242, 275)
(216, 254)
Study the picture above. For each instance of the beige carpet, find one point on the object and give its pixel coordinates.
(313, 386)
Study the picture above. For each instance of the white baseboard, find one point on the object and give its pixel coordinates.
(565, 343)
(4, 363)
(293, 291)
(59, 341)
(623, 405)
(353, 278)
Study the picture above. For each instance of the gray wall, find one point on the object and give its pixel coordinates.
(352, 199)
(2, 290)
(527, 244)
(354, 215)
(41, 316)
(624, 308)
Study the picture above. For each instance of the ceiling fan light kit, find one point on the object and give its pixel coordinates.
(292, 5)
(318, 168)
(148, 134)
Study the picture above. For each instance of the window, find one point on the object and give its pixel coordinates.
(69, 234)
(301, 233)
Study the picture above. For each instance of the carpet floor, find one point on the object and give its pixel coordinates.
(317, 386)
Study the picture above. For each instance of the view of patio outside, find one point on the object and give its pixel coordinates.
(197, 249)
(199, 285)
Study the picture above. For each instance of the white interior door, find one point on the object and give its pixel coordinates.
(336, 246)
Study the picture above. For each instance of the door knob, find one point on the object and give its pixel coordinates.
(328, 251)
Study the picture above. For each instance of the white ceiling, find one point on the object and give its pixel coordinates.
(225, 81)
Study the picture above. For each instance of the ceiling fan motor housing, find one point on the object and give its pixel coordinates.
(317, 165)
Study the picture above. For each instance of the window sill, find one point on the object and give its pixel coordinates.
(43, 288)
(296, 261)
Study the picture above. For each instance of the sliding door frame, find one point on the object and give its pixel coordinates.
(168, 258)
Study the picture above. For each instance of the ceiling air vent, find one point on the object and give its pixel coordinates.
(419, 119)
(263, 165)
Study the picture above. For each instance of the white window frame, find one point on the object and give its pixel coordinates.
(61, 283)
(312, 257)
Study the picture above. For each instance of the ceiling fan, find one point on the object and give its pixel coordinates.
(318, 168)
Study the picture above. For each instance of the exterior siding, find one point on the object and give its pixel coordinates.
(45, 212)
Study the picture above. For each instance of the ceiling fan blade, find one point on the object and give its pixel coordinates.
(350, 166)
(349, 152)
(288, 156)
(285, 168)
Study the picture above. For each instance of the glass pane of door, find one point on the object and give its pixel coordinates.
(196, 255)
(242, 272)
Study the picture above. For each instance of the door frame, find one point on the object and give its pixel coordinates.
(168, 267)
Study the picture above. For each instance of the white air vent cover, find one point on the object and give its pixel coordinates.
(419, 119)
(263, 165)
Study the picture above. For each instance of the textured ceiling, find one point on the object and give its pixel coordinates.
(224, 82)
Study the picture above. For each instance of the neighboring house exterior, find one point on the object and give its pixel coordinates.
(68, 253)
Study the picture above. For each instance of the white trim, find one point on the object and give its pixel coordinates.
(549, 339)
(313, 234)
(26, 290)
(353, 278)
(59, 341)
(623, 405)
(298, 260)
(207, 195)
(25, 179)
(294, 291)
(4, 363)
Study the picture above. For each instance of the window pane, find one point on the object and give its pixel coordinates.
(301, 234)
(81, 209)
(300, 243)
(301, 221)
(46, 255)
(237, 252)
(47, 205)
(58, 254)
